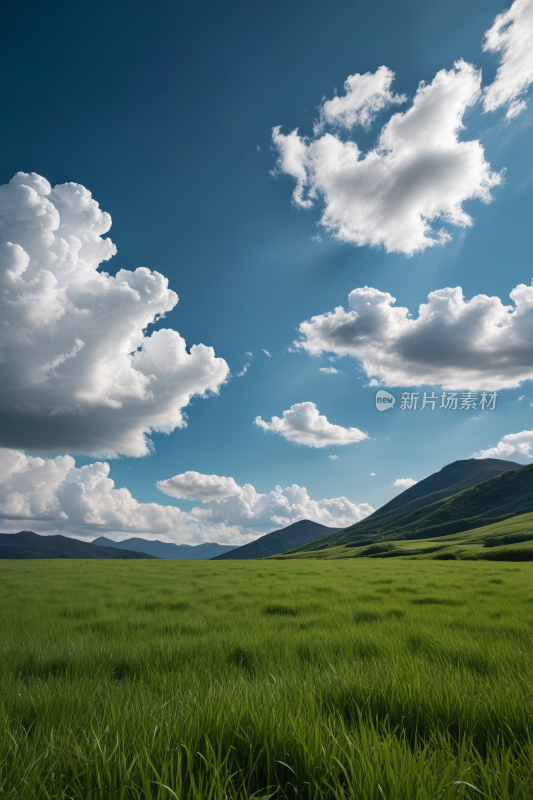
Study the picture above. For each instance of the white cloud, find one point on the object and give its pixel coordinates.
(405, 483)
(373, 474)
(242, 372)
(53, 495)
(329, 370)
(250, 354)
(303, 424)
(419, 172)
(196, 486)
(512, 36)
(365, 96)
(521, 398)
(478, 344)
(281, 507)
(77, 371)
(267, 353)
(520, 443)
(333, 458)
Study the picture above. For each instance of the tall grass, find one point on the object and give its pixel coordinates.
(232, 680)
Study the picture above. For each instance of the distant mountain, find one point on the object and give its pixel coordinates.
(183, 552)
(27, 544)
(422, 506)
(271, 544)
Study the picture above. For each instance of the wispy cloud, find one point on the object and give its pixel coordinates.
(512, 36)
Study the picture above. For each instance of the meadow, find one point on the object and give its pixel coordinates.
(368, 679)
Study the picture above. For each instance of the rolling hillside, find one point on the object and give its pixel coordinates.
(182, 552)
(27, 544)
(507, 494)
(507, 540)
(295, 535)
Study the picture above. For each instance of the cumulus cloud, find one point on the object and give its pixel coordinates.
(333, 458)
(329, 370)
(267, 353)
(373, 474)
(477, 344)
(53, 495)
(196, 486)
(243, 371)
(419, 172)
(519, 443)
(303, 424)
(512, 36)
(365, 96)
(78, 372)
(281, 507)
(404, 483)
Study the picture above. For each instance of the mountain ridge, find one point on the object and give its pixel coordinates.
(27, 544)
(276, 542)
(168, 550)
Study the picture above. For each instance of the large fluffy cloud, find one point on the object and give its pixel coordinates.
(512, 36)
(196, 486)
(365, 96)
(420, 172)
(404, 483)
(53, 495)
(78, 373)
(519, 443)
(457, 343)
(303, 423)
(283, 506)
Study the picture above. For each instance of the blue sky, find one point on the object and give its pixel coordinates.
(165, 114)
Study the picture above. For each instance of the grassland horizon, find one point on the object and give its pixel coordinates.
(285, 679)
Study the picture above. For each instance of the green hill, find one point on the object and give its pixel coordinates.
(450, 480)
(27, 544)
(498, 498)
(507, 540)
(295, 535)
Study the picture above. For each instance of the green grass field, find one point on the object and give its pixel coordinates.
(364, 678)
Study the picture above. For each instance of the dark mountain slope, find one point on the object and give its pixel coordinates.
(19, 552)
(183, 552)
(449, 480)
(31, 545)
(271, 544)
(410, 518)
